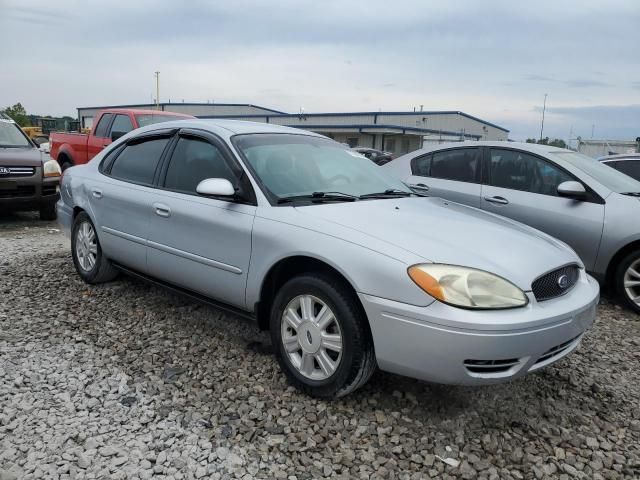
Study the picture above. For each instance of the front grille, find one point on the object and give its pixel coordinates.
(18, 172)
(556, 283)
(556, 351)
(19, 191)
(490, 366)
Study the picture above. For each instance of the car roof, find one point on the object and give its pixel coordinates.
(620, 156)
(527, 147)
(226, 128)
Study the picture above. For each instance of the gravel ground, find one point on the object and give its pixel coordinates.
(125, 380)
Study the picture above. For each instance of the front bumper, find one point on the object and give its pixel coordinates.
(444, 344)
(64, 215)
(28, 193)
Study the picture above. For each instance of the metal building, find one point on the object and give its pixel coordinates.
(599, 148)
(396, 132)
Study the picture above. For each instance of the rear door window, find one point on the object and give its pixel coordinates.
(461, 164)
(138, 162)
(103, 126)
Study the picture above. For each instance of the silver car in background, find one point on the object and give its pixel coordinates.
(345, 266)
(591, 207)
(627, 163)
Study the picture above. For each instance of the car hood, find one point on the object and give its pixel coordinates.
(441, 231)
(20, 157)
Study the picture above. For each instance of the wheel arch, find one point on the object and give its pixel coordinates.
(287, 268)
(64, 156)
(618, 257)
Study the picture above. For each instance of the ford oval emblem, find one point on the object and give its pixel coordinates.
(563, 281)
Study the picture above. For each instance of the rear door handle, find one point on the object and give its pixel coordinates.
(420, 186)
(96, 193)
(162, 210)
(498, 200)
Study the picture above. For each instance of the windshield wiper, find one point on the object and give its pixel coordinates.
(389, 193)
(631, 194)
(319, 197)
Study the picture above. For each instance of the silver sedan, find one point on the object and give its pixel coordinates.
(347, 268)
(591, 207)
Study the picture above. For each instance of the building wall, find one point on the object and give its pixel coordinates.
(600, 148)
(381, 130)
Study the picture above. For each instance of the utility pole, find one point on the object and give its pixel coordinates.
(157, 74)
(544, 107)
(593, 127)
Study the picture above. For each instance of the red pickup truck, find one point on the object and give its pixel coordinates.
(77, 148)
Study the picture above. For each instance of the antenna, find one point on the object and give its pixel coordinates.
(157, 74)
(544, 107)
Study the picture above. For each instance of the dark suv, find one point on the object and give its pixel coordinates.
(29, 178)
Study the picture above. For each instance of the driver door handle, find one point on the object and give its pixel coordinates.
(498, 200)
(97, 193)
(162, 210)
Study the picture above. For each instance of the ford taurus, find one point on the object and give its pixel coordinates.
(348, 268)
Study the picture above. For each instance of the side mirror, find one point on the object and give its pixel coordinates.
(39, 140)
(116, 135)
(217, 187)
(572, 189)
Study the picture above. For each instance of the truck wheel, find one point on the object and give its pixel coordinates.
(48, 211)
(321, 336)
(627, 280)
(65, 164)
(92, 266)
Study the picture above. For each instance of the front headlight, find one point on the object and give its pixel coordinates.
(51, 169)
(467, 287)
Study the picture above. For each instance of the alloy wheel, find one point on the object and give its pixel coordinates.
(311, 337)
(632, 282)
(86, 246)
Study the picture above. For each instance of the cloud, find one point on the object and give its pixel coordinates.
(574, 83)
(494, 60)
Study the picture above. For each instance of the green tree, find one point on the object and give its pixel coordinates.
(556, 142)
(19, 114)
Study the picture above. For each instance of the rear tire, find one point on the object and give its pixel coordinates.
(48, 211)
(324, 347)
(627, 280)
(92, 266)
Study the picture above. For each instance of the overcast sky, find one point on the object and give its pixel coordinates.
(492, 59)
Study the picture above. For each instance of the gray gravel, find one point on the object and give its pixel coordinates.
(128, 381)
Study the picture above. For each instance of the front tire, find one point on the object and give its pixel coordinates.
(321, 336)
(92, 266)
(627, 280)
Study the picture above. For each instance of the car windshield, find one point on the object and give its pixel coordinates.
(11, 136)
(290, 165)
(151, 118)
(607, 176)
